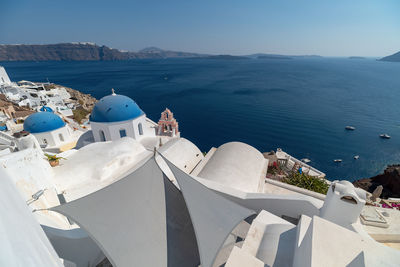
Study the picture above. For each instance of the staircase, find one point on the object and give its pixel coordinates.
(274, 242)
(270, 241)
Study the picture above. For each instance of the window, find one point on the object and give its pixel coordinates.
(140, 129)
(61, 137)
(45, 141)
(102, 136)
(122, 133)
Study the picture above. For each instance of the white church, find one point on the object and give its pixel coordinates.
(48, 128)
(116, 116)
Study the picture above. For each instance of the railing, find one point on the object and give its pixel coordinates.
(285, 162)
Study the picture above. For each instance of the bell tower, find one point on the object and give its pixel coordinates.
(167, 125)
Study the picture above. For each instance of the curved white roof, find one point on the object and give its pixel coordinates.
(84, 172)
(182, 153)
(237, 165)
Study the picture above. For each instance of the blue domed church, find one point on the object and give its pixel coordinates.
(48, 128)
(116, 116)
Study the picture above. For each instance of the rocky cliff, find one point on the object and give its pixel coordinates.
(390, 180)
(80, 52)
(60, 52)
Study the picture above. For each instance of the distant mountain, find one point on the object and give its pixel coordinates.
(81, 52)
(273, 57)
(94, 52)
(160, 53)
(393, 58)
(224, 57)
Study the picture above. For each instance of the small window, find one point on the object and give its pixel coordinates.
(102, 136)
(140, 128)
(45, 141)
(122, 133)
(61, 137)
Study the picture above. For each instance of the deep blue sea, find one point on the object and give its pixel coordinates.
(301, 105)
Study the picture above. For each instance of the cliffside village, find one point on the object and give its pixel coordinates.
(72, 166)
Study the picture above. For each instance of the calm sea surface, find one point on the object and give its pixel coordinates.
(300, 105)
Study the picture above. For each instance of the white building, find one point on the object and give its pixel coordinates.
(49, 129)
(26, 93)
(116, 116)
(4, 79)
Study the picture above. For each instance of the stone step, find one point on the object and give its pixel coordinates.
(240, 258)
(302, 228)
(271, 240)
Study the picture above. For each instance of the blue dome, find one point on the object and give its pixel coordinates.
(113, 108)
(41, 122)
(46, 108)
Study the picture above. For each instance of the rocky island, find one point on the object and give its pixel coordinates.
(273, 57)
(392, 58)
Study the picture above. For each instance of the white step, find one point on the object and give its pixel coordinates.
(271, 239)
(241, 258)
(302, 228)
(240, 231)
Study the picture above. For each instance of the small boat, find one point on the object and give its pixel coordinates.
(337, 160)
(356, 157)
(306, 160)
(384, 136)
(350, 128)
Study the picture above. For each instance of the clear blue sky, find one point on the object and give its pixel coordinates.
(329, 28)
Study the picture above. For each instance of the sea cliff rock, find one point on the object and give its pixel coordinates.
(60, 52)
(390, 180)
(81, 52)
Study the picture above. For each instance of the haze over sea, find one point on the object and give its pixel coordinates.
(300, 105)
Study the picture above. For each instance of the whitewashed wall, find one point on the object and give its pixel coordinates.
(23, 242)
(4, 79)
(111, 129)
(53, 137)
